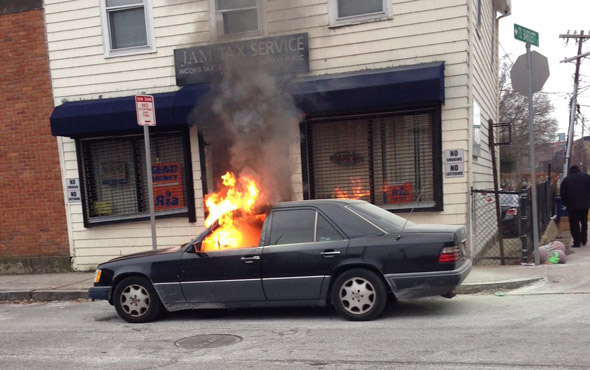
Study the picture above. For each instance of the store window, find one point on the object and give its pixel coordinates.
(391, 160)
(114, 183)
(127, 27)
(344, 12)
(237, 16)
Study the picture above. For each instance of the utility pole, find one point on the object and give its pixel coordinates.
(570, 137)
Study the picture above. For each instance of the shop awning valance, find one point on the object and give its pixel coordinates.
(355, 91)
(371, 89)
(100, 116)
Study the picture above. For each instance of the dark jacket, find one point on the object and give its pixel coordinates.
(575, 190)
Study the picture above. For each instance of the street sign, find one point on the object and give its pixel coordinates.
(146, 117)
(524, 34)
(144, 106)
(539, 73)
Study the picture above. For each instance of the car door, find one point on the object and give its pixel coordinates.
(301, 249)
(229, 275)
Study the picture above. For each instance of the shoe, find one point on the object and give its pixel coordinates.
(576, 246)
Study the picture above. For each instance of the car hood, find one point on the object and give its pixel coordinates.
(147, 253)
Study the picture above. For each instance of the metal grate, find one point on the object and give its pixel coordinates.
(386, 160)
(115, 185)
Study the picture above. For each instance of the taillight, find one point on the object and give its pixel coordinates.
(512, 212)
(449, 254)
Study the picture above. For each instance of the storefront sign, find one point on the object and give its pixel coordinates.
(167, 184)
(399, 193)
(113, 173)
(346, 158)
(73, 189)
(454, 163)
(277, 55)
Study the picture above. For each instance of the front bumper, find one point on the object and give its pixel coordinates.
(427, 284)
(99, 292)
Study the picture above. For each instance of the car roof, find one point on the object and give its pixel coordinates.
(317, 203)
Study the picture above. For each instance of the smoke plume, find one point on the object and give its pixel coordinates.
(248, 123)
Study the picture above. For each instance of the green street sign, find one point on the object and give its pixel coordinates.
(524, 34)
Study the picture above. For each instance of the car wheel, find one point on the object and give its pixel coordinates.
(136, 300)
(359, 295)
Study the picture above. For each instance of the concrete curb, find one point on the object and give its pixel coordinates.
(473, 288)
(43, 295)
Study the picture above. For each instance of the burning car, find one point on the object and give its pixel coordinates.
(347, 253)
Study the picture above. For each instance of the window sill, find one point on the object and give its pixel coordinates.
(128, 52)
(110, 220)
(353, 21)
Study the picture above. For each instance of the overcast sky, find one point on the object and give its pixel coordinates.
(550, 19)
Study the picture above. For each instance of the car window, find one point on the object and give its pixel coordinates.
(325, 231)
(292, 226)
(380, 217)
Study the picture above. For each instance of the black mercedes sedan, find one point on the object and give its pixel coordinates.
(347, 253)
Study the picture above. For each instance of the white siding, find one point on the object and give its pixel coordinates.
(419, 32)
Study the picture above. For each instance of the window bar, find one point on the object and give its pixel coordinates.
(417, 163)
(371, 159)
(138, 177)
(310, 159)
(383, 158)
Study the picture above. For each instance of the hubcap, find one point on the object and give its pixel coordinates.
(357, 296)
(135, 300)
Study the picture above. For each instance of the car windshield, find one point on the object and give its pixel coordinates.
(380, 217)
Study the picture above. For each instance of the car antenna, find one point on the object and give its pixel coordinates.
(411, 211)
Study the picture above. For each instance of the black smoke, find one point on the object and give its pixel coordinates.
(249, 122)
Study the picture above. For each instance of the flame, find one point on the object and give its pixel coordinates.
(233, 209)
(357, 190)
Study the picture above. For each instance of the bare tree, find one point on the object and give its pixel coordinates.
(514, 159)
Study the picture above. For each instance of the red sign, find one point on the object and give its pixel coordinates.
(167, 180)
(399, 193)
(146, 111)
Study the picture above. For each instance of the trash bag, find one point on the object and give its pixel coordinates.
(555, 257)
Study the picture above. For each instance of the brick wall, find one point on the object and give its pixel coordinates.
(32, 213)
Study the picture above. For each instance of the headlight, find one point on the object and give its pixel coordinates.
(97, 275)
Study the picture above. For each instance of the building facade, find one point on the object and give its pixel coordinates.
(33, 229)
(382, 100)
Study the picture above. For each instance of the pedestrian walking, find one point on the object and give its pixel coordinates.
(575, 195)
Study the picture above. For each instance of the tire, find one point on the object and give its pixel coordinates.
(359, 295)
(136, 300)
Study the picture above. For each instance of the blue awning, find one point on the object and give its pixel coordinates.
(357, 91)
(416, 84)
(92, 117)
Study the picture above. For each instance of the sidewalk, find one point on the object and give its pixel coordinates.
(573, 276)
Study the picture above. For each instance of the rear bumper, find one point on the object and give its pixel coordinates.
(99, 292)
(427, 284)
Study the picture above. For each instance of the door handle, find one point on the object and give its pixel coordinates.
(330, 253)
(250, 259)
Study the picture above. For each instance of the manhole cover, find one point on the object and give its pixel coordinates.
(208, 341)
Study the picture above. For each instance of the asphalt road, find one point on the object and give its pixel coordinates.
(484, 331)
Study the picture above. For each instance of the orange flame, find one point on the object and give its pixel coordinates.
(357, 190)
(233, 208)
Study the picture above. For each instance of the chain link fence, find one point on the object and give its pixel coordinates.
(495, 244)
(508, 240)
